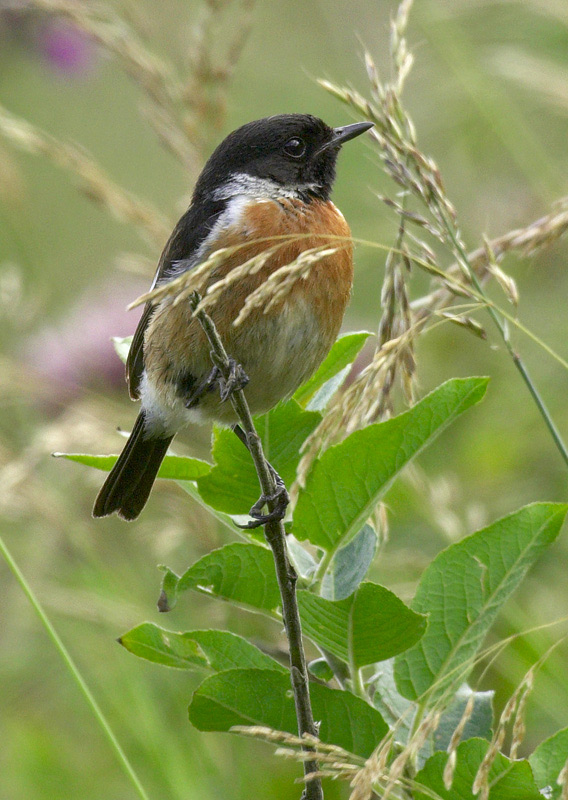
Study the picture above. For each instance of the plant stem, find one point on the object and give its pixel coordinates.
(73, 669)
(322, 569)
(502, 328)
(276, 537)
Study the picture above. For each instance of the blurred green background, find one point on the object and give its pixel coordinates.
(489, 97)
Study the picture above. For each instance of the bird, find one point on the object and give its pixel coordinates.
(266, 185)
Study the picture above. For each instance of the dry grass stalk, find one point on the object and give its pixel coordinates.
(340, 764)
(276, 736)
(182, 109)
(157, 78)
(278, 286)
(481, 781)
(507, 284)
(519, 728)
(203, 92)
(374, 769)
(464, 322)
(340, 418)
(365, 399)
(526, 241)
(515, 706)
(396, 319)
(270, 293)
(562, 781)
(196, 279)
(249, 267)
(368, 397)
(449, 769)
(376, 772)
(94, 181)
(189, 281)
(419, 177)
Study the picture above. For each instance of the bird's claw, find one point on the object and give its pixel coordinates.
(204, 387)
(237, 379)
(280, 498)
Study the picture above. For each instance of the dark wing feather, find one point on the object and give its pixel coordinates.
(189, 233)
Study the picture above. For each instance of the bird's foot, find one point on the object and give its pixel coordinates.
(237, 379)
(197, 392)
(280, 499)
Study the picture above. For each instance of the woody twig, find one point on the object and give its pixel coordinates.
(276, 538)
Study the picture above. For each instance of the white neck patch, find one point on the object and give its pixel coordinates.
(240, 183)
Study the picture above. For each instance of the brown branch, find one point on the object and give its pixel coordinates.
(275, 536)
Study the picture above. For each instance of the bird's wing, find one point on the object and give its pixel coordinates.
(189, 233)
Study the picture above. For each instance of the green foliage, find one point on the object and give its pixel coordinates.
(262, 697)
(479, 722)
(215, 650)
(319, 668)
(463, 590)
(548, 760)
(392, 662)
(177, 468)
(508, 780)
(371, 625)
(491, 97)
(121, 346)
(349, 479)
(339, 358)
(240, 573)
(349, 565)
(232, 485)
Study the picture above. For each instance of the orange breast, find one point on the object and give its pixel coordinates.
(278, 350)
(318, 223)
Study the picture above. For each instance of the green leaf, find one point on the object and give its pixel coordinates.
(349, 565)
(395, 709)
(163, 647)
(321, 398)
(303, 561)
(168, 592)
(479, 723)
(178, 468)
(183, 468)
(370, 625)
(225, 650)
(346, 483)
(122, 346)
(240, 573)
(319, 668)
(105, 463)
(463, 589)
(341, 355)
(264, 697)
(232, 485)
(548, 760)
(191, 489)
(216, 650)
(509, 780)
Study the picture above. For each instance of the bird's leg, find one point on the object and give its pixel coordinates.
(196, 392)
(237, 379)
(280, 496)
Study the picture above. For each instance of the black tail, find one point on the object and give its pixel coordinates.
(131, 479)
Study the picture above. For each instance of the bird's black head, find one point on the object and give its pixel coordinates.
(293, 153)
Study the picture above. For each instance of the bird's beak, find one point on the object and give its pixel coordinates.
(345, 133)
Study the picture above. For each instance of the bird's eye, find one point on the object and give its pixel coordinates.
(295, 147)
